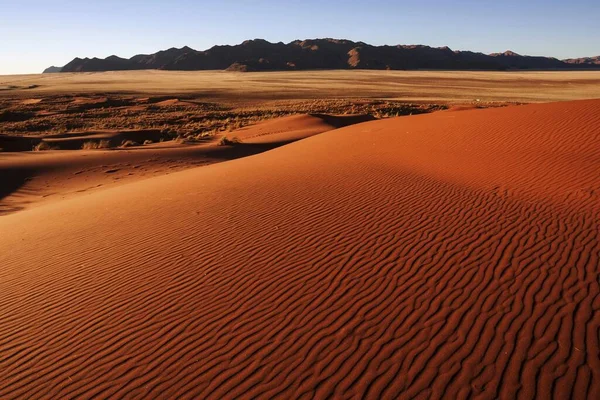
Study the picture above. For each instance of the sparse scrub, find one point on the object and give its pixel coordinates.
(188, 119)
(43, 146)
(94, 145)
(129, 143)
(225, 141)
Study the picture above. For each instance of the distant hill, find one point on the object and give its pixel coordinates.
(52, 70)
(261, 55)
(584, 61)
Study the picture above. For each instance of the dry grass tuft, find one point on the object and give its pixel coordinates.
(43, 146)
(225, 141)
(94, 145)
(129, 143)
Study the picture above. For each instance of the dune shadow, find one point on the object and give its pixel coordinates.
(341, 121)
(10, 182)
(240, 150)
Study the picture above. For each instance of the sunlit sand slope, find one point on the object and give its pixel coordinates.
(442, 255)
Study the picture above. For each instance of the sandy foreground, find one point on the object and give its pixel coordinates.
(452, 254)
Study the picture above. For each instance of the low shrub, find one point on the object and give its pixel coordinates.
(93, 145)
(225, 141)
(42, 146)
(129, 143)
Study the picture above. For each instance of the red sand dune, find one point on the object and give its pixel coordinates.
(290, 129)
(32, 178)
(446, 255)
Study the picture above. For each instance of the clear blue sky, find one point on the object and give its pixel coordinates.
(35, 34)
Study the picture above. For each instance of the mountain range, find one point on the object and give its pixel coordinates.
(261, 55)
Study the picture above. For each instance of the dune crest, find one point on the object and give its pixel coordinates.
(446, 255)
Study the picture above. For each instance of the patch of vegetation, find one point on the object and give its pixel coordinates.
(15, 116)
(186, 117)
(43, 146)
(225, 141)
(94, 145)
(129, 143)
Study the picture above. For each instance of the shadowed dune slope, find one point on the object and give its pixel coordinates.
(78, 140)
(34, 178)
(446, 255)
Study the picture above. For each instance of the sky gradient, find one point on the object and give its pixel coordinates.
(36, 34)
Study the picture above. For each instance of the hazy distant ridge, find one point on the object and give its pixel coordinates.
(52, 70)
(261, 55)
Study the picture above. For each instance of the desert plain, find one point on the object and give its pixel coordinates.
(322, 234)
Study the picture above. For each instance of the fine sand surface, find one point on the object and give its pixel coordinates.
(453, 254)
(230, 87)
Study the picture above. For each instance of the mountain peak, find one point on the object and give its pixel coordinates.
(52, 70)
(255, 42)
(507, 53)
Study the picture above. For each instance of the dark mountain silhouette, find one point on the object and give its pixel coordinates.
(158, 60)
(261, 55)
(52, 70)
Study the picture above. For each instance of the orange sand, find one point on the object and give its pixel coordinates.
(447, 255)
